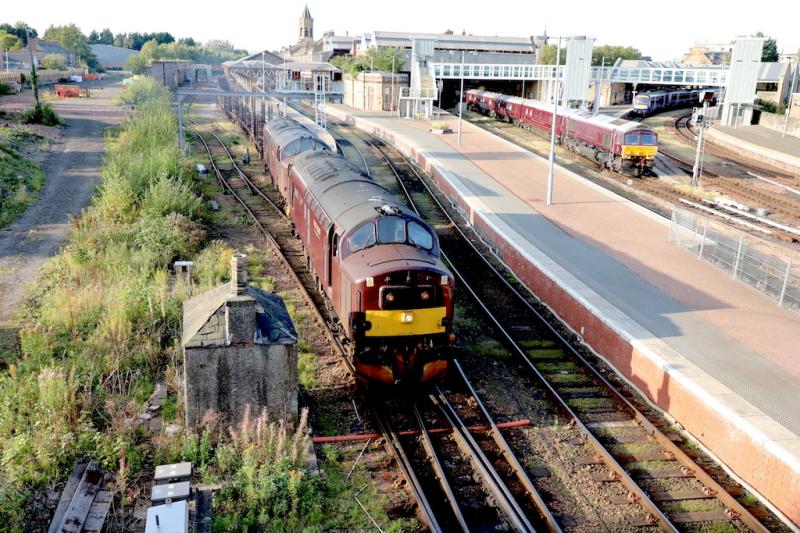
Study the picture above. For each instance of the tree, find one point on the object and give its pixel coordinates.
(769, 54)
(9, 41)
(73, 40)
(138, 64)
(53, 62)
(106, 37)
(19, 29)
(94, 37)
(549, 54)
(612, 53)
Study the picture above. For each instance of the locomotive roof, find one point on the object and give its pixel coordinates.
(609, 121)
(345, 194)
(285, 130)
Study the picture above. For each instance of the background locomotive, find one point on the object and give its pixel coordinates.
(662, 100)
(376, 261)
(613, 142)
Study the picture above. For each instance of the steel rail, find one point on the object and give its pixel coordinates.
(502, 495)
(735, 509)
(661, 520)
(392, 439)
(427, 443)
(509, 455)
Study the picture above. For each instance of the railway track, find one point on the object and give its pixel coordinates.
(737, 186)
(499, 507)
(623, 446)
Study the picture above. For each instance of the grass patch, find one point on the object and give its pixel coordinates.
(307, 369)
(544, 353)
(687, 506)
(169, 409)
(590, 403)
(650, 465)
(20, 178)
(488, 348)
(564, 366)
(537, 344)
(634, 448)
(569, 378)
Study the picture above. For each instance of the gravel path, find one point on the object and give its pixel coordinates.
(73, 170)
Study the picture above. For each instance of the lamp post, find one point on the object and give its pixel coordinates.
(791, 94)
(461, 97)
(552, 159)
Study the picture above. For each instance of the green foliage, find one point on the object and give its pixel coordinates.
(20, 178)
(5, 89)
(143, 90)
(20, 30)
(41, 114)
(768, 106)
(104, 319)
(53, 62)
(769, 53)
(72, 39)
(138, 64)
(376, 59)
(9, 41)
(610, 52)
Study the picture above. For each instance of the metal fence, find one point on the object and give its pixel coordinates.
(738, 255)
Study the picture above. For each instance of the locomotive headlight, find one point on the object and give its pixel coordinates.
(370, 281)
(425, 296)
(389, 297)
(445, 280)
(407, 317)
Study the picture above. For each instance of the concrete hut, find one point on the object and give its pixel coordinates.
(239, 348)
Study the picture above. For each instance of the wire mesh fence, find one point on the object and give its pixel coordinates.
(738, 255)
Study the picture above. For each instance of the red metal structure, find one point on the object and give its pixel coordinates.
(375, 260)
(613, 142)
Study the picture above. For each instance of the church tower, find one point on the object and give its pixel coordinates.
(306, 27)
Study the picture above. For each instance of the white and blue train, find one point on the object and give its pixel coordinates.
(664, 99)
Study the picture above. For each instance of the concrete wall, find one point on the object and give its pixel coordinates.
(227, 378)
(372, 91)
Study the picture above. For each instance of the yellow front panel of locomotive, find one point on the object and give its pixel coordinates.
(401, 323)
(639, 151)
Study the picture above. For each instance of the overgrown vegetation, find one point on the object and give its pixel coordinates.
(20, 177)
(376, 59)
(53, 62)
(5, 89)
(214, 52)
(41, 114)
(105, 327)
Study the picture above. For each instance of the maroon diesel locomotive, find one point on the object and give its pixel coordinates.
(613, 142)
(375, 260)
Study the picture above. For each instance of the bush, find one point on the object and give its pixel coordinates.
(53, 62)
(5, 89)
(41, 114)
(145, 89)
(768, 106)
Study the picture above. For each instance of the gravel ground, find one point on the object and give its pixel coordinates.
(73, 170)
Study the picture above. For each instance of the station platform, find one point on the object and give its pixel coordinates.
(761, 144)
(719, 357)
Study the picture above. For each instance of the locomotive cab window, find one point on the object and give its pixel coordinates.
(648, 139)
(391, 230)
(362, 237)
(632, 138)
(419, 236)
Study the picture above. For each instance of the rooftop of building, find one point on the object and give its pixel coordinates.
(204, 318)
(451, 41)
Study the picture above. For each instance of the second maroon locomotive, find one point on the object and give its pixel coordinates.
(375, 260)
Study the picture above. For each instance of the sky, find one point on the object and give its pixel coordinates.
(662, 30)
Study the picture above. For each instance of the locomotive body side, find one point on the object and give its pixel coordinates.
(377, 262)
